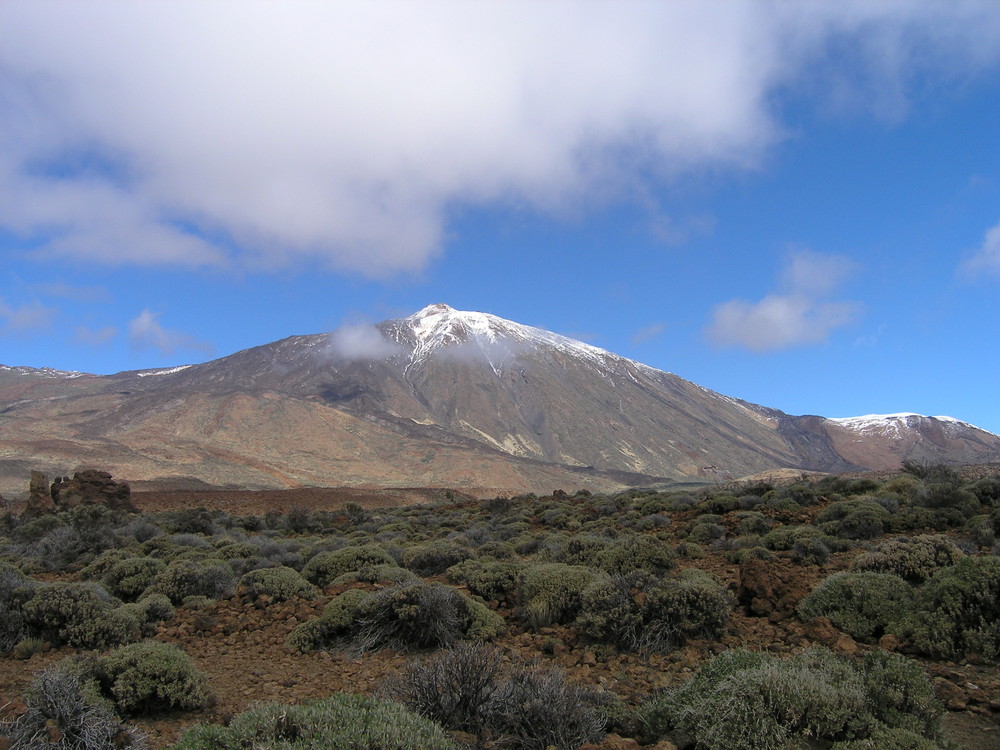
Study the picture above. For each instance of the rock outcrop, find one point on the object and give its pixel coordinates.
(88, 486)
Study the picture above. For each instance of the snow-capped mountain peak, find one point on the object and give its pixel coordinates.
(439, 325)
(896, 424)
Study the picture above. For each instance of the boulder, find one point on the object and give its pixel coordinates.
(40, 499)
(92, 486)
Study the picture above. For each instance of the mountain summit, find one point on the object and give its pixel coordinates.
(439, 398)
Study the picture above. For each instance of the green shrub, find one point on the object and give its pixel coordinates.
(184, 578)
(60, 704)
(854, 519)
(326, 566)
(551, 592)
(415, 615)
(913, 559)
(332, 626)
(957, 610)
(12, 628)
(692, 604)
(753, 522)
(866, 605)
(340, 722)
(490, 580)
(280, 584)
(129, 578)
(376, 574)
(434, 558)
(149, 677)
(82, 615)
(758, 701)
(609, 612)
(635, 552)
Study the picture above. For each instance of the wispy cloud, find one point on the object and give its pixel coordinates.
(294, 131)
(361, 341)
(94, 336)
(24, 319)
(986, 259)
(648, 333)
(799, 314)
(145, 332)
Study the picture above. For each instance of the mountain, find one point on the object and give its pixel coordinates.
(439, 398)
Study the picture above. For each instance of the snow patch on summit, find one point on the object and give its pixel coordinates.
(894, 425)
(439, 326)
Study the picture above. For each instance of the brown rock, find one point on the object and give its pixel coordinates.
(39, 497)
(845, 645)
(888, 642)
(759, 588)
(950, 694)
(92, 486)
(612, 742)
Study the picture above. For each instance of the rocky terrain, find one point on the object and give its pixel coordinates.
(240, 642)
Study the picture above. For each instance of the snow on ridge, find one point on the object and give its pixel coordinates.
(45, 372)
(895, 423)
(168, 371)
(439, 325)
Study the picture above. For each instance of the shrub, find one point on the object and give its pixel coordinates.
(609, 612)
(415, 615)
(332, 626)
(280, 584)
(854, 519)
(65, 713)
(326, 566)
(149, 677)
(457, 688)
(490, 580)
(692, 604)
(551, 592)
(184, 578)
(866, 605)
(761, 702)
(914, 560)
(128, 578)
(635, 553)
(12, 628)
(340, 721)
(540, 709)
(434, 558)
(958, 610)
(81, 615)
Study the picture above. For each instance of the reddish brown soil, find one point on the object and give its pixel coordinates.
(240, 644)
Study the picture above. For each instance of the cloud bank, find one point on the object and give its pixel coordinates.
(145, 332)
(256, 134)
(361, 342)
(986, 260)
(799, 314)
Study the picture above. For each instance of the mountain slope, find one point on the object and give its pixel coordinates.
(439, 398)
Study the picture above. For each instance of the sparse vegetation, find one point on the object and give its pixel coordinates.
(499, 618)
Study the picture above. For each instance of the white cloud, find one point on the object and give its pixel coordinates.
(145, 332)
(94, 337)
(986, 259)
(799, 315)
(361, 342)
(648, 333)
(23, 319)
(251, 133)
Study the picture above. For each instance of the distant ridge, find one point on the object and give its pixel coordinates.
(440, 398)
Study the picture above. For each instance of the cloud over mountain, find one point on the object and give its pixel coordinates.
(268, 134)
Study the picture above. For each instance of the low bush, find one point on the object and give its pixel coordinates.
(184, 578)
(854, 519)
(341, 721)
(488, 579)
(957, 610)
(129, 578)
(280, 584)
(635, 552)
(82, 615)
(866, 604)
(551, 592)
(914, 560)
(64, 712)
(326, 566)
(434, 558)
(759, 701)
(149, 677)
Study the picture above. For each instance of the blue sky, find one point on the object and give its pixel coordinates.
(797, 204)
